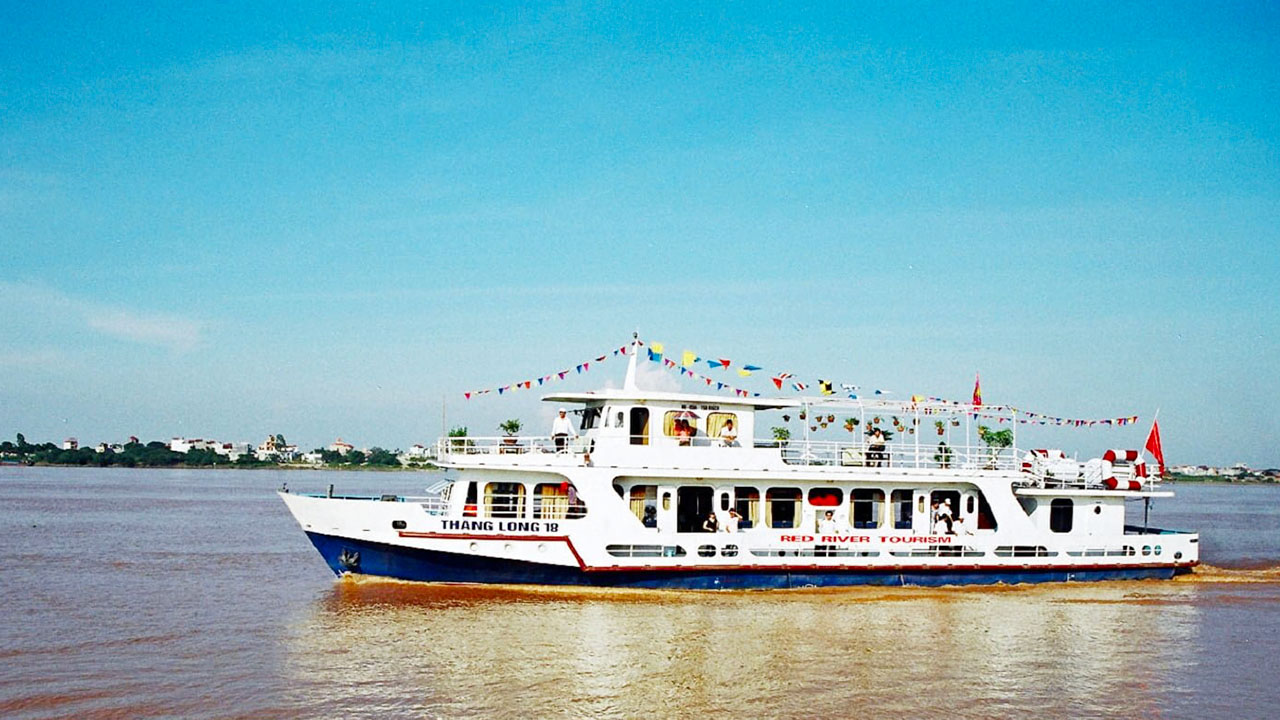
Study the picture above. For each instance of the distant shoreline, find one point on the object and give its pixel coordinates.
(233, 466)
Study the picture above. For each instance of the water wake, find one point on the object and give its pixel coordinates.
(1214, 574)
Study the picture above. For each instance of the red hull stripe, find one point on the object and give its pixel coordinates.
(786, 568)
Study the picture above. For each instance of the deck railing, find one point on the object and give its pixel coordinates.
(968, 457)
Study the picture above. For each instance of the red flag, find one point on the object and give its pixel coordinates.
(977, 390)
(1153, 445)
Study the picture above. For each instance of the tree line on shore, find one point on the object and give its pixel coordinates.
(159, 454)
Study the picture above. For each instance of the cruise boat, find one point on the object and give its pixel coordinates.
(652, 491)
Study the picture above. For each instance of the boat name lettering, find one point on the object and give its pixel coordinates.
(697, 406)
(503, 526)
(928, 539)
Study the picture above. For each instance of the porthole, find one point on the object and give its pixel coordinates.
(706, 551)
(474, 547)
(542, 547)
(1097, 509)
(1158, 549)
(398, 525)
(1177, 555)
(1146, 549)
(508, 547)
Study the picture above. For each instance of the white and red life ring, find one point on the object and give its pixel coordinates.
(1128, 457)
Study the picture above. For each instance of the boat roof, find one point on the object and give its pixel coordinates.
(927, 406)
(636, 395)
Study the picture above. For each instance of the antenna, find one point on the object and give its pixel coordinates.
(630, 382)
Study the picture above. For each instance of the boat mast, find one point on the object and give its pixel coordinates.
(630, 382)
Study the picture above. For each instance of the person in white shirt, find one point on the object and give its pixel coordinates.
(827, 525)
(562, 430)
(728, 434)
(731, 525)
(944, 517)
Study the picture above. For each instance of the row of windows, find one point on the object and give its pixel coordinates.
(837, 551)
(783, 507)
(550, 501)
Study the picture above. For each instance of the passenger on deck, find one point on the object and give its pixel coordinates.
(944, 515)
(683, 432)
(728, 434)
(827, 525)
(562, 430)
(876, 452)
(711, 524)
(650, 516)
(731, 525)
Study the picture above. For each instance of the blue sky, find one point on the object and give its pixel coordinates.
(227, 220)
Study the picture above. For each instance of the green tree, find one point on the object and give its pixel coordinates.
(381, 457)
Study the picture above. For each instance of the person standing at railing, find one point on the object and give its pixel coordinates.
(562, 430)
(876, 448)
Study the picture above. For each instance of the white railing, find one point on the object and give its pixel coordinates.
(967, 457)
(522, 445)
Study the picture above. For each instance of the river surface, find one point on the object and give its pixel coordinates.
(193, 594)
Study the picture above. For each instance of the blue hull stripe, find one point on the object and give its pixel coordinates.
(433, 566)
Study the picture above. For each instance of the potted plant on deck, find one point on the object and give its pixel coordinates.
(510, 428)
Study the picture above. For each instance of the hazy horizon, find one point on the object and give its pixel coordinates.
(227, 220)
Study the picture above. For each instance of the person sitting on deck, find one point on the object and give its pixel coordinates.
(650, 516)
(683, 432)
(728, 434)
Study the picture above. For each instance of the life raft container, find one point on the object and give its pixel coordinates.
(1131, 458)
(1040, 456)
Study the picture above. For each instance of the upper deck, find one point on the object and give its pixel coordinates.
(687, 434)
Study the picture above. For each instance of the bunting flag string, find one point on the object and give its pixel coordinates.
(578, 369)
(689, 360)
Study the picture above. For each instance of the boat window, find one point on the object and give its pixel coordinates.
(1025, 551)
(746, 500)
(644, 504)
(639, 426)
(781, 507)
(969, 504)
(716, 421)
(939, 551)
(590, 417)
(469, 507)
(645, 550)
(706, 551)
(666, 501)
(724, 501)
(729, 551)
(1028, 504)
(986, 518)
(693, 504)
(826, 497)
(825, 551)
(1061, 513)
(681, 425)
(948, 507)
(557, 501)
(866, 507)
(902, 502)
(504, 500)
